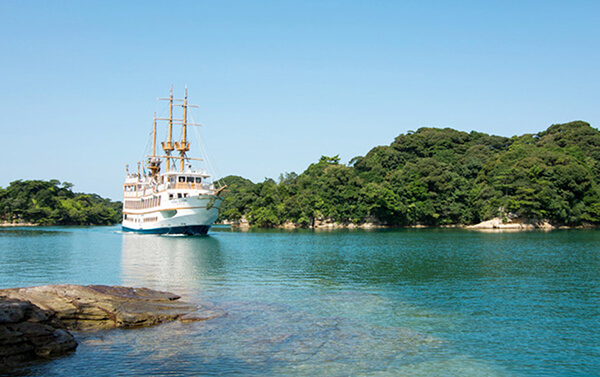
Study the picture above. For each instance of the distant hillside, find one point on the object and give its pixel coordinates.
(437, 177)
(53, 203)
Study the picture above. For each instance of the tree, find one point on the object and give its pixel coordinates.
(53, 203)
(438, 177)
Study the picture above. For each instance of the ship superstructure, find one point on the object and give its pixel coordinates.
(178, 199)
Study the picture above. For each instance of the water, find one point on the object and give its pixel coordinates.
(426, 302)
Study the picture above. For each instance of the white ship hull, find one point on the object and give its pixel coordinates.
(191, 216)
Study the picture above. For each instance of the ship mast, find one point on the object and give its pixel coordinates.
(154, 137)
(183, 146)
(153, 162)
(168, 145)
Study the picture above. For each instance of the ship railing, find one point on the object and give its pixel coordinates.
(186, 186)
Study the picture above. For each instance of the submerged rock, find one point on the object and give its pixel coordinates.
(34, 320)
(99, 306)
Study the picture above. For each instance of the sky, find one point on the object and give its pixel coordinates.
(280, 83)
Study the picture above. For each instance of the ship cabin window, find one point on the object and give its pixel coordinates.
(171, 179)
(198, 180)
(190, 179)
(170, 196)
(182, 179)
(179, 195)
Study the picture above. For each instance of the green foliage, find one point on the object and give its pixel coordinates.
(238, 199)
(53, 203)
(437, 177)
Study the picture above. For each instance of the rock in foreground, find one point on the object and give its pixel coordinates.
(33, 320)
(28, 332)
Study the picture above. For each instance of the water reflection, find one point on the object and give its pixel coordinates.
(177, 264)
(27, 232)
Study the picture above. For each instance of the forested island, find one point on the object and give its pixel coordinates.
(39, 202)
(436, 177)
(430, 177)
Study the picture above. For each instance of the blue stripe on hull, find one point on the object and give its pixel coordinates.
(190, 230)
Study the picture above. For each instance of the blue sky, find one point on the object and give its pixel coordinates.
(280, 83)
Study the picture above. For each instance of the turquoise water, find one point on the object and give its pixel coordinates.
(425, 302)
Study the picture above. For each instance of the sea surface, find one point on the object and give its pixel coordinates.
(409, 302)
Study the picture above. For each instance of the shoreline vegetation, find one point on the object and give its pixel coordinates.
(436, 177)
(431, 177)
(38, 202)
(495, 224)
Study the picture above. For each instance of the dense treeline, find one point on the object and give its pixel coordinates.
(437, 177)
(53, 203)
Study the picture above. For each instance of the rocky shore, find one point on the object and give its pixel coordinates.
(503, 224)
(35, 321)
(495, 224)
(6, 224)
(244, 224)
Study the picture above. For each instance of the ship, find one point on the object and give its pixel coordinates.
(167, 195)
